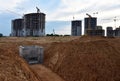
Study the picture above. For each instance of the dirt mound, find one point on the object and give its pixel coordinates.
(12, 67)
(85, 59)
(73, 58)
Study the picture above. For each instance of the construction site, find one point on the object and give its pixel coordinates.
(92, 29)
(30, 55)
(32, 24)
(72, 58)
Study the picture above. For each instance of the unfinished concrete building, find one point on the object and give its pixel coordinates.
(117, 32)
(34, 24)
(98, 31)
(91, 27)
(109, 32)
(32, 54)
(17, 27)
(90, 23)
(76, 29)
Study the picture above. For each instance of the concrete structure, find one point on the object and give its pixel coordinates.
(34, 24)
(91, 27)
(109, 32)
(17, 27)
(76, 28)
(32, 54)
(90, 23)
(98, 27)
(117, 32)
(96, 32)
(113, 33)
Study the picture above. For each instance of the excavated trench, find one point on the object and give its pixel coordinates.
(65, 59)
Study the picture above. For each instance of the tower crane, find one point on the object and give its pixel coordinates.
(89, 26)
(95, 13)
(89, 15)
(38, 10)
(115, 19)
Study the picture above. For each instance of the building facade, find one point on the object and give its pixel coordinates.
(117, 32)
(76, 28)
(32, 24)
(98, 31)
(109, 32)
(17, 27)
(90, 24)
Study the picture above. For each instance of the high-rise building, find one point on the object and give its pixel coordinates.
(17, 27)
(117, 32)
(76, 28)
(34, 24)
(110, 32)
(90, 23)
(96, 32)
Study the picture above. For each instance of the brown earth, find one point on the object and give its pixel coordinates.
(45, 74)
(85, 59)
(13, 67)
(72, 58)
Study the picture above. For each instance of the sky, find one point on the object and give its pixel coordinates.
(60, 13)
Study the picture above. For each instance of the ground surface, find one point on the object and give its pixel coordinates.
(68, 58)
(85, 59)
(14, 68)
(45, 74)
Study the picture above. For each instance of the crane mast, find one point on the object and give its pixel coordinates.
(89, 26)
(89, 15)
(38, 10)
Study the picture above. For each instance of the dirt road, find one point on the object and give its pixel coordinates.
(45, 74)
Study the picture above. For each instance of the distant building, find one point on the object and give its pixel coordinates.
(91, 27)
(32, 24)
(99, 27)
(98, 31)
(90, 24)
(76, 29)
(110, 32)
(117, 32)
(17, 27)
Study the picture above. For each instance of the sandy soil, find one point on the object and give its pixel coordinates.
(12, 66)
(68, 58)
(45, 74)
(85, 59)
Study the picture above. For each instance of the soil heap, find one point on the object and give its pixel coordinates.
(85, 59)
(14, 68)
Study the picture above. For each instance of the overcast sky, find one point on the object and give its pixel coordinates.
(59, 13)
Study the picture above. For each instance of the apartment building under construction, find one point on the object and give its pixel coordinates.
(17, 27)
(32, 24)
(76, 28)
